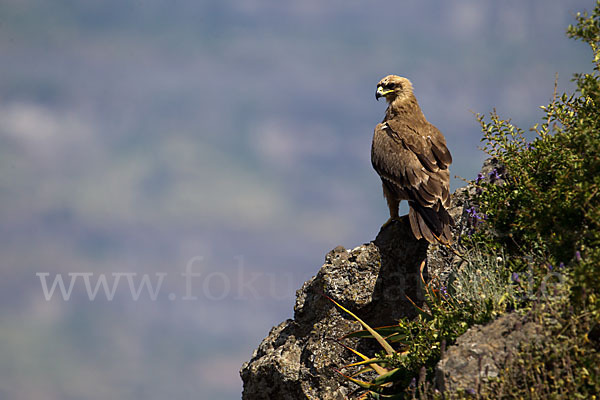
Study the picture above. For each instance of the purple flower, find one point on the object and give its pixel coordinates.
(472, 212)
(494, 175)
(578, 255)
(444, 291)
(471, 391)
(561, 265)
(550, 267)
(515, 277)
(474, 218)
(479, 178)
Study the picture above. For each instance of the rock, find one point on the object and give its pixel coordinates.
(299, 357)
(482, 351)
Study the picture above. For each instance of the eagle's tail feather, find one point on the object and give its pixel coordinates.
(430, 224)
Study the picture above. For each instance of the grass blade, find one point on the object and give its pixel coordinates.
(386, 346)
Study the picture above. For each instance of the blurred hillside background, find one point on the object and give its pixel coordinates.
(232, 137)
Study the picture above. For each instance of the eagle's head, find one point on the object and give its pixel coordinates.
(394, 87)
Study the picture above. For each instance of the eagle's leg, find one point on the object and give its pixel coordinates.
(393, 204)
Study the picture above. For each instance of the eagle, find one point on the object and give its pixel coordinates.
(411, 157)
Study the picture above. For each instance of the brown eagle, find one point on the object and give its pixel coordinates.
(411, 157)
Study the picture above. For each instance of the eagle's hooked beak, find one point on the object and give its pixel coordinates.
(381, 92)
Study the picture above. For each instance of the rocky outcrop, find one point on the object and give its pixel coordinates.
(299, 357)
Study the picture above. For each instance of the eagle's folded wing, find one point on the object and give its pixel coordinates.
(408, 162)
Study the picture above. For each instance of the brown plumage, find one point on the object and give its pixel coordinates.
(411, 157)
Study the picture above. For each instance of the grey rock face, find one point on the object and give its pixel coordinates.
(482, 352)
(297, 360)
(299, 357)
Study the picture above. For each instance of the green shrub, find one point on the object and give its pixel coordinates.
(547, 208)
(538, 212)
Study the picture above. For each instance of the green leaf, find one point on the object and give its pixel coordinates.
(385, 345)
(389, 377)
(390, 333)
